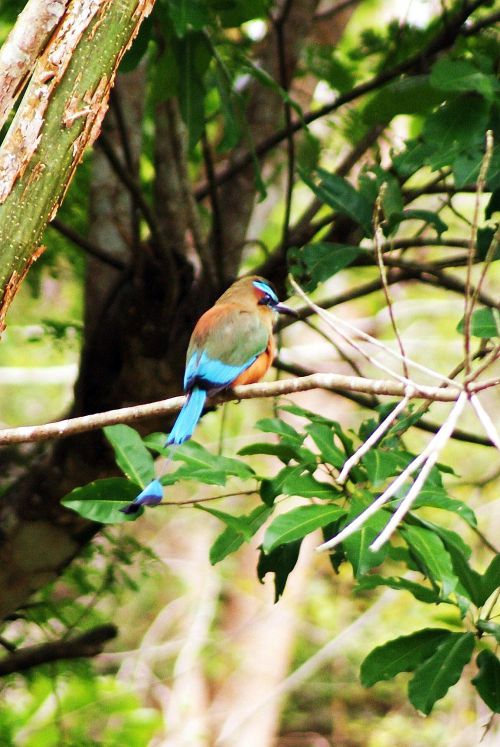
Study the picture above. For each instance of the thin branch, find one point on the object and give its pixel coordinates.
(442, 40)
(86, 245)
(334, 321)
(383, 275)
(83, 646)
(433, 450)
(279, 28)
(368, 402)
(133, 187)
(371, 440)
(485, 421)
(399, 482)
(472, 294)
(217, 223)
(329, 381)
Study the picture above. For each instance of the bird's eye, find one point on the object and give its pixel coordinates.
(266, 300)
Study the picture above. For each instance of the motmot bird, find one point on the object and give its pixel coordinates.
(231, 344)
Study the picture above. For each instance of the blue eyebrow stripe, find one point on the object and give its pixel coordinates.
(265, 288)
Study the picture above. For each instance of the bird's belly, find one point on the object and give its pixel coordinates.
(257, 370)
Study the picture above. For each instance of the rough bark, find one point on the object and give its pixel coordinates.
(60, 114)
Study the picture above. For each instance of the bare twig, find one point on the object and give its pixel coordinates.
(334, 321)
(371, 440)
(434, 445)
(433, 450)
(383, 275)
(86, 245)
(470, 294)
(485, 420)
(82, 646)
(329, 381)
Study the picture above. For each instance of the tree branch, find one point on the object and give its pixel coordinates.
(85, 645)
(443, 40)
(329, 381)
(20, 50)
(86, 245)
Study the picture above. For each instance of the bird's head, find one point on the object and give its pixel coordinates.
(256, 291)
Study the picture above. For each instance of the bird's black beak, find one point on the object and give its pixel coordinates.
(282, 309)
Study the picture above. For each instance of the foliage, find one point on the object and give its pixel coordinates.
(411, 106)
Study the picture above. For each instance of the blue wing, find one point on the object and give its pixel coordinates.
(213, 373)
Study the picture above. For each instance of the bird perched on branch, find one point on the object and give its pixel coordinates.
(232, 344)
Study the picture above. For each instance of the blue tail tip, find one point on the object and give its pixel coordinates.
(150, 496)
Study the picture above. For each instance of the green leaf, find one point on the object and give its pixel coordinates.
(402, 654)
(439, 498)
(461, 75)
(271, 489)
(382, 463)
(283, 451)
(420, 592)
(490, 581)
(322, 435)
(232, 538)
(298, 522)
(357, 545)
(102, 500)
(470, 580)
(487, 682)
(281, 561)
(489, 628)
(282, 429)
(308, 487)
(237, 523)
(436, 675)
(484, 323)
(202, 466)
(131, 455)
(412, 95)
(315, 263)
(339, 194)
(194, 55)
(432, 554)
(427, 216)
(187, 14)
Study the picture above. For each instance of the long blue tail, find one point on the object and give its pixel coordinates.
(188, 417)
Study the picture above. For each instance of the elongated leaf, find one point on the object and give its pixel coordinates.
(237, 523)
(411, 95)
(487, 682)
(484, 323)
(283, 451)
(202, 466)
(102, 500)
(357, 545)
(315, 263)
(403, 654)
(322, 436)
(281, 561)
(490, 581)
(298, 522)
(427, 216)
(436, 675)
(131, 455)
(461, 75)
(438, 498)
(231, 538)
(339, 194)
(194, 54)
(432, 554)
(308, 487)
(282, 429)
(382, 463)
(470, 580)
(420, 592)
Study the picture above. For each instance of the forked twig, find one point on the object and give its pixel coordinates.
(433, 447)
(372, 440)
(333, 321)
